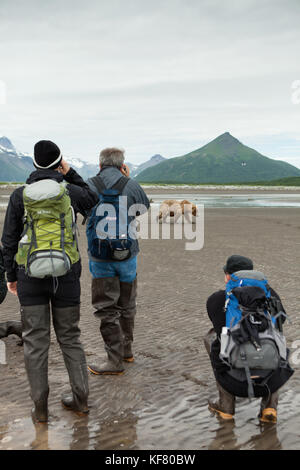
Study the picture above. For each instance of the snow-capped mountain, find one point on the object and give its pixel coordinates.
(7, 147)
(151, 162)
(16, 166)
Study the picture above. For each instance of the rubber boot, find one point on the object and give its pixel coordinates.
(66, 326)
(268, 408)
(11, 328)
(113, 342)
(38, 382)
(105, 297)
(36, 337)
(225, 406)
(127, 302)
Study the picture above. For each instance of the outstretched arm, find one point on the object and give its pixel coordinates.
(82, 197)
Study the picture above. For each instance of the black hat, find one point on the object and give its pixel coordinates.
(46, 155)
(237, 263)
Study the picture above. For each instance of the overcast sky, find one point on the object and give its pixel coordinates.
(159, 76)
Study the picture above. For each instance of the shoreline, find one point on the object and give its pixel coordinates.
(213, 189)
(194, 189)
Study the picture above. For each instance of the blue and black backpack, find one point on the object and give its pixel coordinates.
(108, 228)
(252, 343)
(238, 280)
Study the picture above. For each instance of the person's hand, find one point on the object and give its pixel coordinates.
(64, 167)
(125, 170)
(12, 287)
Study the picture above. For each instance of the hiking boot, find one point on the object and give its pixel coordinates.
(107, 368)
(39, 412)
(215, 407)
(128, 355)
(268, 415)
(225, 406)
(268, 408)
(71, 403)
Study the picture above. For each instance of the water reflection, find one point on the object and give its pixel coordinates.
(85, 433)
(41, 441)
(266, 439)
(120, 433)
(227, 438)
(234, 200)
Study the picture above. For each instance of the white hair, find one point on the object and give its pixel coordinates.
(112, 157)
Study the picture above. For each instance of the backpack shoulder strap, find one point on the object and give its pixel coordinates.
(120, 184)
(98, 183)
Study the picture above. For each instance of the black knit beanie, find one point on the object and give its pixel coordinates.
(46, 155)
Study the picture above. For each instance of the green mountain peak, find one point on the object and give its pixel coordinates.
(223, 160)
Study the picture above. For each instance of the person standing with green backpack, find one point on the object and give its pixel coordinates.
(43, 268)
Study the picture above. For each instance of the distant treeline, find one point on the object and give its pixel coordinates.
(290, 181)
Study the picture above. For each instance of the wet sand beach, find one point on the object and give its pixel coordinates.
(161, 400)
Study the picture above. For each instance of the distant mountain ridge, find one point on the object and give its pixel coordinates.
(16, 166)
(223, 160)
(155, 160)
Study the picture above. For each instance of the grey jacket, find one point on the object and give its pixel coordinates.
(134, 192)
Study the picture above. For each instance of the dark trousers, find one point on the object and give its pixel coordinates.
(62, 292)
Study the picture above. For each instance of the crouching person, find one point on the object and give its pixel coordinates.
(113, 258)
(246, 344)
(40, 233)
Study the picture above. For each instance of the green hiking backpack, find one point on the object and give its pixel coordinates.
(48, 246)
